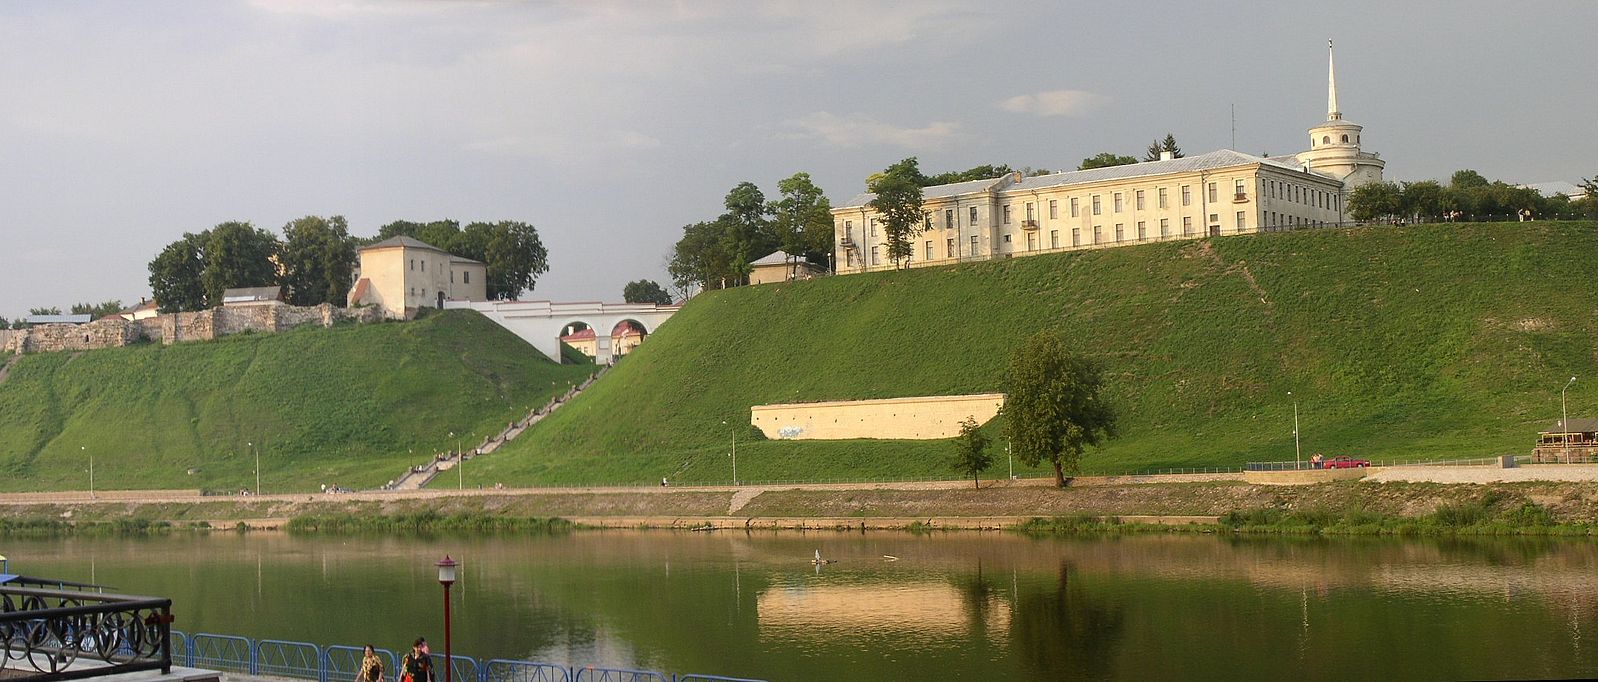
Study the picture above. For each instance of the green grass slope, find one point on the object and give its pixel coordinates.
(351, 405)
(1438, 341)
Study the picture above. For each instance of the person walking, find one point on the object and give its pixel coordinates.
(418, 664)
(371, 667)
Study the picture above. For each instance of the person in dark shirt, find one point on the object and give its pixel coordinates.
(418, 664)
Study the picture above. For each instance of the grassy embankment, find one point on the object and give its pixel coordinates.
(1439, 341)
(352, 405)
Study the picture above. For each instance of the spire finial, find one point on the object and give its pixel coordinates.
(1332, 114)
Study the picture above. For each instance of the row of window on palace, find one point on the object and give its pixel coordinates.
(466, 277)
(1098, 236)
(1276, 189)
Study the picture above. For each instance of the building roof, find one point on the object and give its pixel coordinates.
(401, 241)
(58, 319)
(778, 257)
(1221, 158)
(1576, 426)
(1549, 189)
(584, 335)
(457, 259)
(251, 294)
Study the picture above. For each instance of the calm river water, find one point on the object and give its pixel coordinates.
(961, 606)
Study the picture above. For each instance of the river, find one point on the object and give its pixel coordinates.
(966, 606)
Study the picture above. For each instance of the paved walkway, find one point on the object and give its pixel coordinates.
(1485, 474)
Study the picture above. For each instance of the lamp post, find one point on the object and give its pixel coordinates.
(1297, 458)
(1564, 419)
(734, 431)
(446, 577)
(85, 449)
(257, 453)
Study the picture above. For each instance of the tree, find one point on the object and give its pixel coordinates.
(971, 456)
(746, 228)
(1467, 179)
(52, 310)
(438, 233)
(1054, 406)
(645, 291)
(515, 257)
(1166, 145)
(1423, 199)
(898, 202)
(1377, 200)
(318, 260)
(700, 257)
(1106, 160)
(802, 218)
(96, 311)
(177, 274)
(237, 255)
(983, 172)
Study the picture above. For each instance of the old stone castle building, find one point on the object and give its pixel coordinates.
(1220, 193)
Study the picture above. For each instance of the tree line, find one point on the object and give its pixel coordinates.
(715, 254)
(1467, 195)
(316, 259)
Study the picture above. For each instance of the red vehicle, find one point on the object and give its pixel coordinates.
(1345, 462)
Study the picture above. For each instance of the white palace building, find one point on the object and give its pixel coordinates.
(1223, 192)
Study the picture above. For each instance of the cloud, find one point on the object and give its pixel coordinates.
(1055, 103)
(859, 129)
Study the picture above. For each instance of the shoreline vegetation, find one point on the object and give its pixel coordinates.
(1325, 509)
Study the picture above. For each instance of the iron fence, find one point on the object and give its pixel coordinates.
(55, 634)
(306, 661)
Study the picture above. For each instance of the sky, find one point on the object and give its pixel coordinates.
(611, 125)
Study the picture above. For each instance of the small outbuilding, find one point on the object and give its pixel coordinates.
(781, 267)
(251, 295)
(35, 320)
(1576, 441)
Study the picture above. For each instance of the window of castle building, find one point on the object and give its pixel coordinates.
(1098, 232)
(973, 216)
(1165, 227)
(1076, 236)
(948, 219)
(1187, 195)
(929, 250)
(1327, 139)
(872, 224)
(1006, 214)
(1211, 190)
(1074, 212)
(1054, 239)
(1054, 209)
(1030, 209)
(413, 267)
(1142, 231)
(974, 244)
(1238, 188)
(1118, 232)
(950, 246)
(874, 260)
(1006, 239)
(1345, 139)
(466, 277)
(1187, 226)
(1163, 202)
(1118, 202)
(1139, 200)
(1095, 204)
(1031, 241)
(1239, 221)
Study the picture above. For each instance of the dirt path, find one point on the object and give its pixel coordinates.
(5, 370)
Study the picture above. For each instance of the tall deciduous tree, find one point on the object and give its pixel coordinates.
(52, 310)
(1106, 160)
(1377, 200)
(898, 202)
(177, 274)
(700, 258)
(238, 255)
(318, 260)
(515, 257)
(971, 456)
(746, 228)
(645, 291)
(802, 218)
(1054, 406)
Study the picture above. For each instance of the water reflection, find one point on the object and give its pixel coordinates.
(955, 606)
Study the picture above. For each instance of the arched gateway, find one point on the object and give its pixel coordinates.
(541, 323)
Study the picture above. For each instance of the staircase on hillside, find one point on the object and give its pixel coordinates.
(419, 476)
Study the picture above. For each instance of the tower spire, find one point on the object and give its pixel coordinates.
(1332, 114)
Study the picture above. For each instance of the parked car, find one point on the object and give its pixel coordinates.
(1345, 462)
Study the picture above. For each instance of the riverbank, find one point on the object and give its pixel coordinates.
(1197, 500)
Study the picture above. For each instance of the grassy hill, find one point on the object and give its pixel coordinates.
(352, 405)
(1438, 341)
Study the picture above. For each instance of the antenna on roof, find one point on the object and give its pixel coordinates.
(1234, 126)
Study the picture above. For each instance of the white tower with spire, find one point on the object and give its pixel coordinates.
(1334, 145)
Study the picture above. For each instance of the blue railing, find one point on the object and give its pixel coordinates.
(306, 661)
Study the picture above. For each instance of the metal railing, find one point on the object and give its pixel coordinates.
(306, 661)
(53, 634)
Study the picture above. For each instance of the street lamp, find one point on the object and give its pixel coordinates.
(1297, 458)
(85, 449)
(1564, 418)
(734, 431)
(257, 453)
(446, 577)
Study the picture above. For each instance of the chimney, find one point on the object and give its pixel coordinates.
(1166, 156)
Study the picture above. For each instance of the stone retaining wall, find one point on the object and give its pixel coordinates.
(170, 328)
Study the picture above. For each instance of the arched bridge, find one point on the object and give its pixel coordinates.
(541, 323)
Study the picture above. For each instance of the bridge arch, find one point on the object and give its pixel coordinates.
(543, 323)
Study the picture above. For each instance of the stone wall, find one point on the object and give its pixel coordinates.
(170, 328)
(910, 418)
